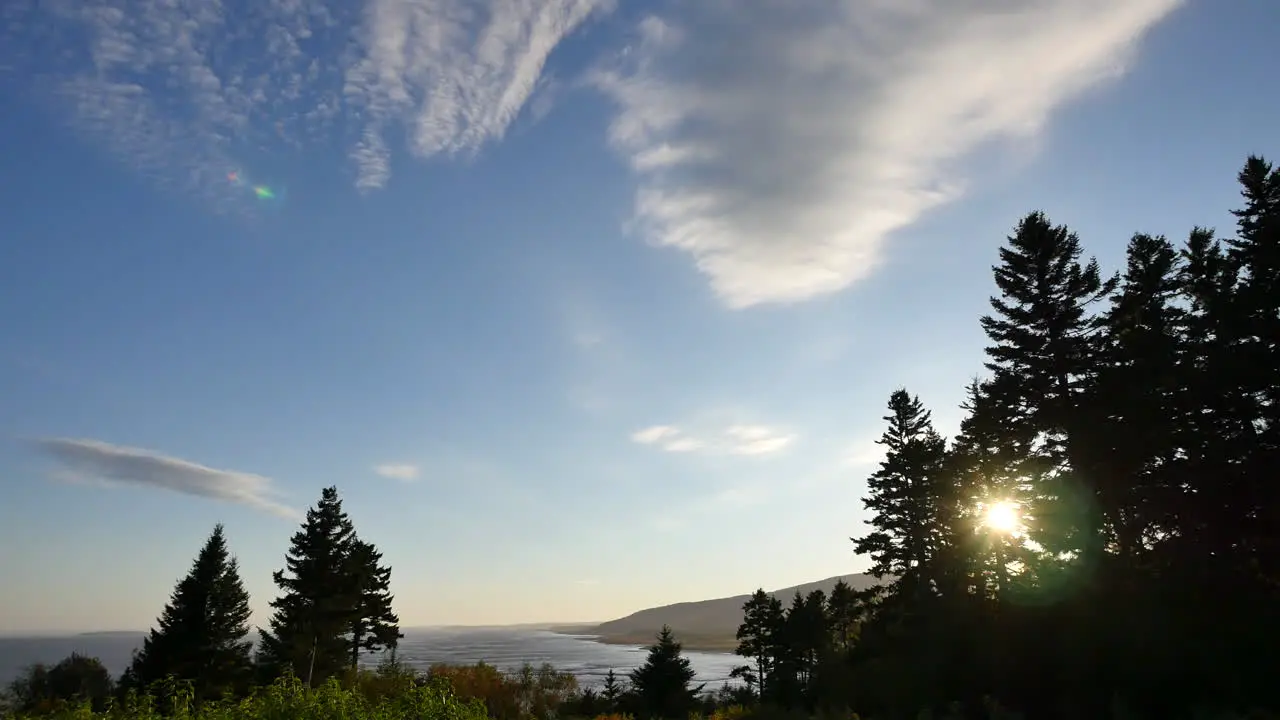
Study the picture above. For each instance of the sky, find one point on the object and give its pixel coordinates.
(585, 306)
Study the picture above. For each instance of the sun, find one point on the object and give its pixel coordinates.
(1003, 517)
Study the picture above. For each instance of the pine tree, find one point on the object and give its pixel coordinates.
(314, 615)
(374, 625)
(1129, 446)
(809, 632)
(902, 495)
(201, 636)
(662, 683)
(843, 611)
(1043, 335)
(612, 691)
(758, 638)
(1256, 310)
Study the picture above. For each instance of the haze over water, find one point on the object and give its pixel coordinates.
(505, 648)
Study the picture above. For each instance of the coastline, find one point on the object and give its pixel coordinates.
(694, 642)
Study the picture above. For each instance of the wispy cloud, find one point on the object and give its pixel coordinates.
(117, 464)
(454, 73)
(653, 434)
(397, 471)
(756, 440)
(185, 92)
(783, 169)
(733, 440)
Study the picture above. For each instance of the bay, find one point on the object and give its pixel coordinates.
(504, 648)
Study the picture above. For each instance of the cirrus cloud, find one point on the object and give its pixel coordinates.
(185, 92)
(732, 440)
(83, 459)
(783, 160)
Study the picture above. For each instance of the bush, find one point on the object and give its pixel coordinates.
(73, 680)
(518, 695)
(289, 699)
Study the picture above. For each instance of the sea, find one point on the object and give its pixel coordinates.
(505, 648)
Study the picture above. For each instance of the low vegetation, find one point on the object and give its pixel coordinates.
(1098, 541)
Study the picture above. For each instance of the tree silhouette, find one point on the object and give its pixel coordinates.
(42, 689)
(758, 639)
(374, 624)
(612, 691)
(309, 629)
(902, 495)
(662, 684)
(201, 636)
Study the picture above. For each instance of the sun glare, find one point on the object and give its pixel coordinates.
(1003, 517)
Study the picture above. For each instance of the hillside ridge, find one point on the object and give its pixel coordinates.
(703, 624)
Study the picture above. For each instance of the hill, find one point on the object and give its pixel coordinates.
(703, 625)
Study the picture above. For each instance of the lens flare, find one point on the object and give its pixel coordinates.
(262, 192)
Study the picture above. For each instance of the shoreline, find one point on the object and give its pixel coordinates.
(693, 643)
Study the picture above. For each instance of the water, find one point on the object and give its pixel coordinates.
(505, 648)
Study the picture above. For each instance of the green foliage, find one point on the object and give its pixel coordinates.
(290, 699)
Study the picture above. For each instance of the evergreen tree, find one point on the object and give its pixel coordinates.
(1129, 445)
(317, 610)
(374, 626)
(903, 494)
(662, 683)
(808, 631)
(201, 636)
(1043, 335)
(1256, 310)
(612, 691)
(758, 638)
(843, 612)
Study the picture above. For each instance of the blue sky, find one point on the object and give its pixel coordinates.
(584, 306)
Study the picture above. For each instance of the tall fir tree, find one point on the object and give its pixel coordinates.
(757, 636)
(309, 630)
(902, 496)
(1129, 445)
(374, 625)
(1044, 334)
(663, 684)
(1255, 250)
(202, 635)
(612, 691)
(844, 612)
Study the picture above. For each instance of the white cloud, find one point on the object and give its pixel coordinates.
(783, 160)
(186, 92)
(756, 440)
(397, 471)
(454, 72)
(733, 440)
(117, 464)
(683, 444)
(651, 435)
